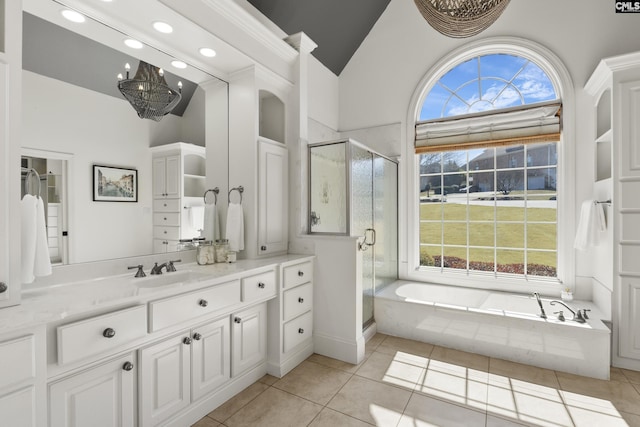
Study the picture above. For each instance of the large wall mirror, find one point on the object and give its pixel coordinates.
(74, 118)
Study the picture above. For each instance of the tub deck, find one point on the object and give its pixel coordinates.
(496, 324)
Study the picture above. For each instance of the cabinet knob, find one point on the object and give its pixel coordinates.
(109, 333)
(186, 341)
(301, 331)
(300, 300)
(263, 248)
(165, 231)
(165, 205)
(237, 320)
(197, 336)
(165, 218)
(3, 287)
(203, 303)
(300, 273)
(261, 285)
(127, 366)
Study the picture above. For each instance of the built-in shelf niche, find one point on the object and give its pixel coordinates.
(194, 175)
(604, 133)
(271, 120)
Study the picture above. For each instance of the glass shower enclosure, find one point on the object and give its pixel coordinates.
(353, 191)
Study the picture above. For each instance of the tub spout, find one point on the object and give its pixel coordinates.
(542, 313)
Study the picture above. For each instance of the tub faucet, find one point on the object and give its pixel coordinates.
(578, 316)
(542, 313)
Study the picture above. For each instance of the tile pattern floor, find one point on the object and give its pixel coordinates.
(405, 383)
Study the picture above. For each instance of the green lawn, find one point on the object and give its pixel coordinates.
(481, 232)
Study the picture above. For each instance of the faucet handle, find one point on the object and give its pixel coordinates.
(171, 267)
(584, 313)
(140, 272)
(560, 315)
(579, 317)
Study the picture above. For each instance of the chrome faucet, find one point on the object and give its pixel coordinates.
(157, 269)
(579, 316)
(140, 272)
(537, 295)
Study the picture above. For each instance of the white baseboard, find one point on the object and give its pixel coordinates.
(282, 369)
(338, 348)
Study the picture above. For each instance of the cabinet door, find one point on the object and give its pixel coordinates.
(629, 325)
(100, 396)
(164, 379)
(172, 177)
(18, 408)
(249, 338)
(273, 170)
(159, 177)
(210, 357)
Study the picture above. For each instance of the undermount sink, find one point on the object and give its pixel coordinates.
(166, 279)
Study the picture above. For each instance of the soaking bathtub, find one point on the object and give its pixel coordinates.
(496, 324)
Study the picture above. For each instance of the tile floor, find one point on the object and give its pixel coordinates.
(404, 383)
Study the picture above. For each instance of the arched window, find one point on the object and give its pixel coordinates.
(486, 142)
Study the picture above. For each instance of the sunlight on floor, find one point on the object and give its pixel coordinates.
(508, 398)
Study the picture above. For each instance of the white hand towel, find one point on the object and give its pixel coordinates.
(235, 227)
(602, 219)
(211, 222)
(42, 264)
(196, 217)
(586, 235)
(28, 230)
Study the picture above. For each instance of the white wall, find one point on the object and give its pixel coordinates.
(97, 129)
(377, 84)
(323, 95)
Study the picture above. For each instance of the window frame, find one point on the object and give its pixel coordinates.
(409, 186)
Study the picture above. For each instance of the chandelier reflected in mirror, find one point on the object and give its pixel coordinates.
(461, 18)
(148, 92)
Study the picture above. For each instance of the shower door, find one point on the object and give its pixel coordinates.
(374, 217)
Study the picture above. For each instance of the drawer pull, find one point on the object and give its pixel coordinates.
(108, 333)
(128, 366)
(300, 273)
(263, 248)
(261, 285)
(165, 218)
(301, 331)
(237, 320)
(3, 287)
(300, 300)
(197, 336)
(186, 341)
(203, 303)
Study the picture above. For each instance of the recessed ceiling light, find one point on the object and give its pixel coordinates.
(163, 27)
(208, 52)
(73, 16)
(133, 44)
(178, 64)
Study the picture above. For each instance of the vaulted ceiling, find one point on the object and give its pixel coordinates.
(337, 26)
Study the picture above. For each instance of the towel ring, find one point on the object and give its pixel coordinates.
(239, 189)
(31, 172)
(215, 192)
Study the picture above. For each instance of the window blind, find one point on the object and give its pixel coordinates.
(519, 125)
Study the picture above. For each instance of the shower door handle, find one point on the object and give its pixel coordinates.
(366, 242)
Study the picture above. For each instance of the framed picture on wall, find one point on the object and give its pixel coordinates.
(114, 184)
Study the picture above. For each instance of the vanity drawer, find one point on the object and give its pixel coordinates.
(18, 361)
(99, 335)
(166, 218)
(259, 287)
(298, 274)
(297, 301)
(297, 330)
(174, 310)
(166, 205)
(166, 232)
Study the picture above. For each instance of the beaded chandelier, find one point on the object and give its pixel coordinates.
(461, 18)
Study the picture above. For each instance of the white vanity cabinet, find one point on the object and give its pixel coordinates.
(102, 396)
(291, 318)
(273, 185)
(22, 373)
(179, 174)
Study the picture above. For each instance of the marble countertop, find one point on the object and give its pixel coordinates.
(57, 302)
